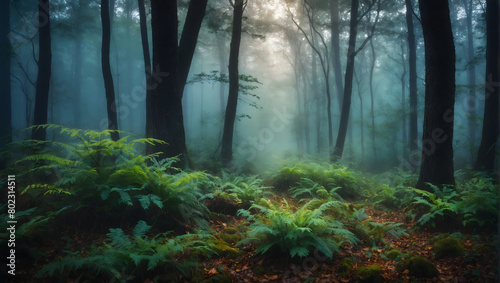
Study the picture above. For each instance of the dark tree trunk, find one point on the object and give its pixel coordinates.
(437, 136)
(471, 77)
(106, 70)
(402, 79)
(346, 105)
(412, 54)
(189, 38)
(337, 68)
(232, 101)
(147, 68)
(44, 70)
(486, 154)
(5, 93)
(166, 99)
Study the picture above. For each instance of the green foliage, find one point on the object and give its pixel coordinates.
(95, 167)
(135, 254)
(295, 233)
(347, 183)
(392, 197)
(247, 84)
(474, 202)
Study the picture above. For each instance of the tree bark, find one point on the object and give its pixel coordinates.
(437, 136)
(232, 101)
(106, 70)
(44, 70)
(337, 68)
(147, 69)
(166, 99)
(189, 38)
(346, 105)
(412, 65)
(5, 94)
(372, 99)
(471, 77)
(486, 153)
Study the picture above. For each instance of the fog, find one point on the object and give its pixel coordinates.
(286, 115)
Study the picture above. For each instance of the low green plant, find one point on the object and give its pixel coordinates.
(138, 255)
(438, 203)
(278, 228)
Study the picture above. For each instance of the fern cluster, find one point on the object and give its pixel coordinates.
(473, 202)
(278, 228)
(132, 257)
(329, 176)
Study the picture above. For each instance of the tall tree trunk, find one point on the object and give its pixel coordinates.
(362, 123)
(403, 99)
(189, 38)
(372, 99)
(5, 93)
(437, 136)
(346, 105)
(166, 99)
(44, 70)
(106, 70)
(412, 60)
(486, 153)
(471, 77)
(147, 68)
(232, 101)
(337, 68)
(77, 81)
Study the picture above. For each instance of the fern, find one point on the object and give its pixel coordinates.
(295, 233)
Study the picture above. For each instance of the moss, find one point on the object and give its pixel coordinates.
(394, 254)
(259, 270)
(232, 230)
(224, 250)
(448, 247)
(230, 238)
(345, 267)
(371, 273)
(421, 267)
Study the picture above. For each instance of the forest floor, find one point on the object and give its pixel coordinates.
(477, 265)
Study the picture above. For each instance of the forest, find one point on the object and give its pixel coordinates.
(249, 140)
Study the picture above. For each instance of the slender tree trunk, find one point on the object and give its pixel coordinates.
(189, 38)
(5, 93)
(362, 126)
(486, 153)
(148, 70)
(232, 101)
(471, 77)
(106, 70)
(337, 68)
(166, 99)
(412, 60)
(346, 105)
(44, 70)
(403, 99)
(372, 99)
(77, 82)
(437, 136)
